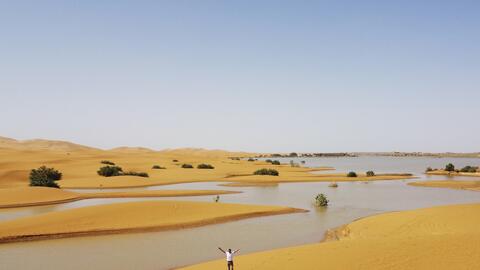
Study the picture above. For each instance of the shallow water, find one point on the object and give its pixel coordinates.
(164, 250)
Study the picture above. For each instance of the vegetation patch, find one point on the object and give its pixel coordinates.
(108, 162)
(469, 169)
(187, 166)
(44, 177)
(205, 166)
(141, 174)
(158, 167)
(266, 172)
(352, 174)
(321, 200)
(370, 174)
(109, 171)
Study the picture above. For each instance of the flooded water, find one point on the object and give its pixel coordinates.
(168, 249)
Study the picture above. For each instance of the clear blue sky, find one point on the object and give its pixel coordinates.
(243, 75)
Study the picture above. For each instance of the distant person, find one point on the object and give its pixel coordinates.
(229, 255)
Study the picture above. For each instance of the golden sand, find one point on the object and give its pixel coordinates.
(130, 217)
(454, 184)
(441, 238)
(33, 196)
(443, 172)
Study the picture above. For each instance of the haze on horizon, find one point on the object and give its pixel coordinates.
(263, 76)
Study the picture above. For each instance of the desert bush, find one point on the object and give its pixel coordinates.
(45, 177)
(429, 169)
(108, 171)
(370, 173)
(205, 166)
(251, 159)
(449, 167)
(108, 162)
(157, 167)
(268, 160)
(141, 174)
(275, 162)
(352, 174)
(266, 172)
(187, 166)
(303, 161)
(175, 160)
(469, 169)
(293, 154)
(321, 200)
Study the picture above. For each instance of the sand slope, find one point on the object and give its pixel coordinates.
(455, 184)
(33, 196)
(130, 217)
(440, 238)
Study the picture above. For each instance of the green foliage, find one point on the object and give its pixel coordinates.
(370, 173)
(205, 166)
(187, 166)
(141, 174)
(107, 162)
(275, 162)
(157, 167)
(321, 200)
(266, 172)
(449, 167)
(45, 177)
(470, 169)
(268, 160)
(251, 159)
(429, 169)
(108, 171)
(352, 174)
(293, 154)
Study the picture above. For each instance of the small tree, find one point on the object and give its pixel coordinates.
(205, 166)
(293, 154)
(469, 169)
(449, 167)
(108, 171)
(352, 174)
(370, 173)
(321, 200)
(45, 177)
(107, 162)
(187, 166)
(266, 172)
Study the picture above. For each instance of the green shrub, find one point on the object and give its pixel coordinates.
(429, 169)
(141, 174)
(251, 159)
(108, 171)
(275, 162)
(268, 160)
(266, 172)
(449, 167)
(187, 166)
(293, 154)
(107, 162)
(352, 174)
(321, 200)
(157, 167)
(370, 173)
(45, 177)
(469, 169)
(205, 166)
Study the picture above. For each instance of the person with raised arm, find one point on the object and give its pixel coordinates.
(229, 255)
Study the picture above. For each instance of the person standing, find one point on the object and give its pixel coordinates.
(229, 255)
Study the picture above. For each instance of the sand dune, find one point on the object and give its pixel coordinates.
(455, 184)
(130, 217)
(441, 238)
(33, 196)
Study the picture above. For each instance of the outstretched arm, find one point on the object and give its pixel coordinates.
(236, 251)
(221, 249)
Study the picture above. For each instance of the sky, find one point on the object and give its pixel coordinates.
(263, 76)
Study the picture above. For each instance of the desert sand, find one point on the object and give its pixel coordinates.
(130, 217)
(34, 196)
(79, 165)
(431, 238)
(455, 184)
